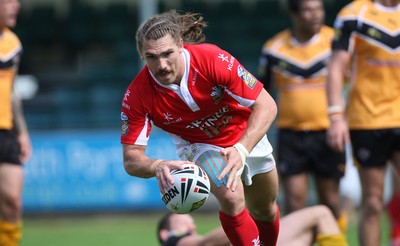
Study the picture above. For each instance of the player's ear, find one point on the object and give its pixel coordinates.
(180, 45)
(163, 234)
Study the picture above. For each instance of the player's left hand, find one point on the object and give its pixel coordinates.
(234, 166)
(25, 146)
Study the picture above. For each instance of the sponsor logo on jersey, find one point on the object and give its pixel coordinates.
(189, 152)
(194, 79)
(125, 124)
(230, 61)
(127, 94)
(167, 116)
(283, 64)
(338, 34)
(247, 77)
(217, 93)
(374, 33)
(170, 119)
(125, 105)
(211, 124)
(256, 241)
(223, 57)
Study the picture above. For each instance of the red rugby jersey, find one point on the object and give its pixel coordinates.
(211, 105)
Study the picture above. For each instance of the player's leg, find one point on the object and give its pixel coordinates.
(261, 201)
(372, 183)
(329, 168)
(302, 225)
(11, 177)
(371, 149)
(295, 188)
(329, 195)
(235, 219)
(292, 164)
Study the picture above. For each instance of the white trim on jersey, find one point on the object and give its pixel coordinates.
(143, 138)
(242, 101)
(182, 91)
(184, 84)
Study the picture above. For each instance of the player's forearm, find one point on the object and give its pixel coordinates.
(19, 119)
(335, 78)
(217, 237)
(137, 164)
(141, 168)
(263, 114)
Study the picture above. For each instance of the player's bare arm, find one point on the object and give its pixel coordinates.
(264, 111)
(21, 128)
(216, 237)
(136, 163)
(338, 133)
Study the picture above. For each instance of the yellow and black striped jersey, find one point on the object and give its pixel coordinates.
(10, 51)
(371, 32)
(298, 71)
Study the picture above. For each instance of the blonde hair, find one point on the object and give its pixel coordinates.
(188, 26)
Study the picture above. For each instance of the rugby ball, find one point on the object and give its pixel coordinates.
(190, 190)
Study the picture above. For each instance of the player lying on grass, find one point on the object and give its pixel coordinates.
(304, 227)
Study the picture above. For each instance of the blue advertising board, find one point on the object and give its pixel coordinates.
(83, 171)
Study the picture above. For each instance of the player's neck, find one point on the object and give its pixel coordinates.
(301, 36)
(388, 3)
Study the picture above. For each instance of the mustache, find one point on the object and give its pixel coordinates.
(163, 71)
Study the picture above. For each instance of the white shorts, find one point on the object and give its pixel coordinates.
(260, 159)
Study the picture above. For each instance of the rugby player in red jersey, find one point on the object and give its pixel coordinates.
(217, 114)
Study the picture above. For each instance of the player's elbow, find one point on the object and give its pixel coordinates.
(273, 108)
(267, 104)
(270, 108)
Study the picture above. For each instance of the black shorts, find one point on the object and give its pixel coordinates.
(373, 148)
(300, 152)
(9, 147)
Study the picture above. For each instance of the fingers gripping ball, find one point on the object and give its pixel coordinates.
(190, 190)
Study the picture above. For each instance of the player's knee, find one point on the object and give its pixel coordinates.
(264, 213)
(230, 202)
(11, 207)
(323, 211)
(231, 197)
(372, 205)
(296, 199)
(295, 202)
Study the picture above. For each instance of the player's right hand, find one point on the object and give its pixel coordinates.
(338, 135)
(163, 173)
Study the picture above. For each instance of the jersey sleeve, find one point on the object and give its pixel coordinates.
(345, 23)
(227, 72)
(135, 117)
(265, 67)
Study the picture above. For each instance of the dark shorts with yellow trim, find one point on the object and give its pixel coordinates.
(307, 151)
(9, 148)
(374, 148)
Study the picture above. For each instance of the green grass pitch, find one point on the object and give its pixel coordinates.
(121, 229)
